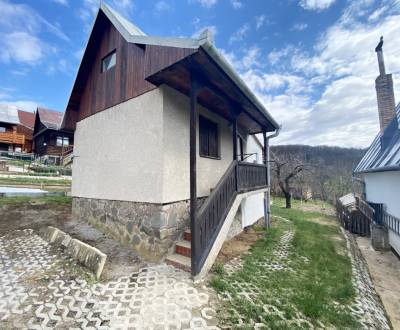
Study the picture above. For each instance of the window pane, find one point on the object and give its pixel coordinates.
(208, 138)
(66, 141)
(108, 62)
(2, 129)
(59, 141)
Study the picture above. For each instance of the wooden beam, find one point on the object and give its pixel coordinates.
(194, 91)
(234, 137)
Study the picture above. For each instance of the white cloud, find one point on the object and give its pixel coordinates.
(61, 2)
(278, 55)
(325, 94)
(240, 33)
(21, 34)
(299, 27)
(21, 47)
(316, 4)
(260, 20)
(237, 4)
(22, 105)
(162, 6)
(207, 3)
(199, 30)
(90, 7)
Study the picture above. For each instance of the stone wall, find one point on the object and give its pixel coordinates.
(151, 229)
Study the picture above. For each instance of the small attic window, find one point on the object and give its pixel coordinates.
(109, 61)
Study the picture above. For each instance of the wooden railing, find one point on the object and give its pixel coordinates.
(251, 176)
(240, 177)
(365, 208)
(12, 137)
(391, 222)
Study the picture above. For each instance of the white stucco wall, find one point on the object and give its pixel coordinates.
(176, 140)
(139, 151)
(253, 206)
(384, 187)
(118, 152)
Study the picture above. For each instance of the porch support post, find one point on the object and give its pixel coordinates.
(234, 137)
(194, 89)
(267, 211)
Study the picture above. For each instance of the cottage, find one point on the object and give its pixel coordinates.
(51, 143)
(162, 129)
(380, 166)
(16, 129)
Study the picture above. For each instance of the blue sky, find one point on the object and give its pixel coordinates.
(311, 62)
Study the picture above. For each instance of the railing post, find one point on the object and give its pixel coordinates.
(194, 89)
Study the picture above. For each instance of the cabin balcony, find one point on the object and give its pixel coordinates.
(12, 138)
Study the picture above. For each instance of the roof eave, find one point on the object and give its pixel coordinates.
(379, 169)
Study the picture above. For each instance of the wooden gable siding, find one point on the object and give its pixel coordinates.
(98, 90)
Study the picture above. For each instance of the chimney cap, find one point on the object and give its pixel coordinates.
(378, 48)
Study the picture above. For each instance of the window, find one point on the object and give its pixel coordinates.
(109, 61)
(208, 138)
(62, 141)
(2, 129)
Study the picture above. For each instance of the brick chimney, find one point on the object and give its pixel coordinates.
(384, 91)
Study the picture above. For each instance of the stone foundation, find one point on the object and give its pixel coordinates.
(151, 229)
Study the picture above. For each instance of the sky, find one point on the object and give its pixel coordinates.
(311, 62)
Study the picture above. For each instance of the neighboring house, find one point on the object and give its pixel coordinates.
(51, 143)
(15, 129)
(161, 126)
(25, 127)
(380, 166)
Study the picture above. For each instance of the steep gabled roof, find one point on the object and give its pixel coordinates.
(26, 118)
(51, 119)
(8, 114)
(384, 152)
(133, 34)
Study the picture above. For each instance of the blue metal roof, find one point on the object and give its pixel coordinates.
(384, 152)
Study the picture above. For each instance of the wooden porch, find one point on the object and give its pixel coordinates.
(201, 78)
(12, 138)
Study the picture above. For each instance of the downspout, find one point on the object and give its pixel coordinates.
(267, 194)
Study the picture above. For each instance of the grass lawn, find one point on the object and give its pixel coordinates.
(34, 181)
(23, 200)
(312, 287)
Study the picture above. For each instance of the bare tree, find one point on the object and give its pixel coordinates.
(286, 171)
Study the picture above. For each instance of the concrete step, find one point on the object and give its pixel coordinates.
(179, 261)
(183, 248)
(187, 235)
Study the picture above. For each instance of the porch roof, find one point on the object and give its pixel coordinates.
(223, 91)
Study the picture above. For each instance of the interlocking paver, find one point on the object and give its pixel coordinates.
(37, 286)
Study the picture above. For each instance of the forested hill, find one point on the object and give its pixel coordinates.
(328, 170)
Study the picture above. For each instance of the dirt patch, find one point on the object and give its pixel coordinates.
(239, 245)
(316, 207)
(37, 215)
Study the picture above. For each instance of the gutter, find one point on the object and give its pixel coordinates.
(267, 194)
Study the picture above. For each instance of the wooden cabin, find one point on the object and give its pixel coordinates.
(51, 143)
(162, 127)
(16, 129)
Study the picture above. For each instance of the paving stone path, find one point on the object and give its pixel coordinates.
(368, 307)
(39, 290)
